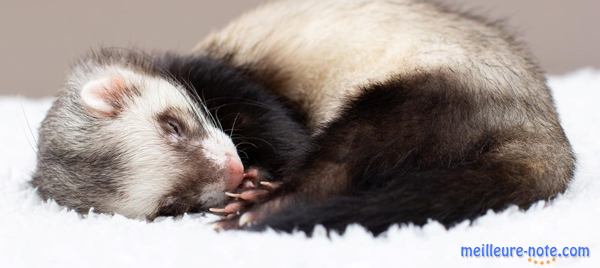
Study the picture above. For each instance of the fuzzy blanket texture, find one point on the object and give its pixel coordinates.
(34, 233)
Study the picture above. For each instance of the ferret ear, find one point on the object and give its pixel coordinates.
(104, 97)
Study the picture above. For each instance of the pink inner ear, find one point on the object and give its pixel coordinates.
(101, 96)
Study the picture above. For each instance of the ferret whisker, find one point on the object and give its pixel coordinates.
(204, 115)
(215, 121)
(233, 125)
(243, 102)
(230, 129)
(248, 143)
(263, 140)
(244, 154)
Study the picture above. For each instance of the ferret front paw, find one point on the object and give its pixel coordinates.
(255, 188)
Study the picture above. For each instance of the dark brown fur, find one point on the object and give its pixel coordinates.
(426, 147)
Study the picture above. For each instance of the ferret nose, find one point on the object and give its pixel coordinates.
(235, 171)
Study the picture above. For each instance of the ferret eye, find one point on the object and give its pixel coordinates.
(174, 127)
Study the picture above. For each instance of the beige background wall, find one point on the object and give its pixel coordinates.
(38, 39)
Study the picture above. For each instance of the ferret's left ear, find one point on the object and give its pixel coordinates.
(104, 97)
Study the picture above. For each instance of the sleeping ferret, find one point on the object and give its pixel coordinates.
(362, 111)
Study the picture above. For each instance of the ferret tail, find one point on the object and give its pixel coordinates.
(447, 196)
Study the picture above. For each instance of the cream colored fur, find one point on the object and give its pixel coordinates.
(325, 51)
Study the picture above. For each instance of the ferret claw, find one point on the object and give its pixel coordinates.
(234, 221)
(230, 208)
(271, 185)
(217, 210)
(234, 195)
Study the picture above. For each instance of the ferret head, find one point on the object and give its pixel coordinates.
(123, 138)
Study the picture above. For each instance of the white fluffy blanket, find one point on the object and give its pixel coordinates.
(34, 233)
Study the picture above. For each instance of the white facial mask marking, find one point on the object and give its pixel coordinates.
(217, 145)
